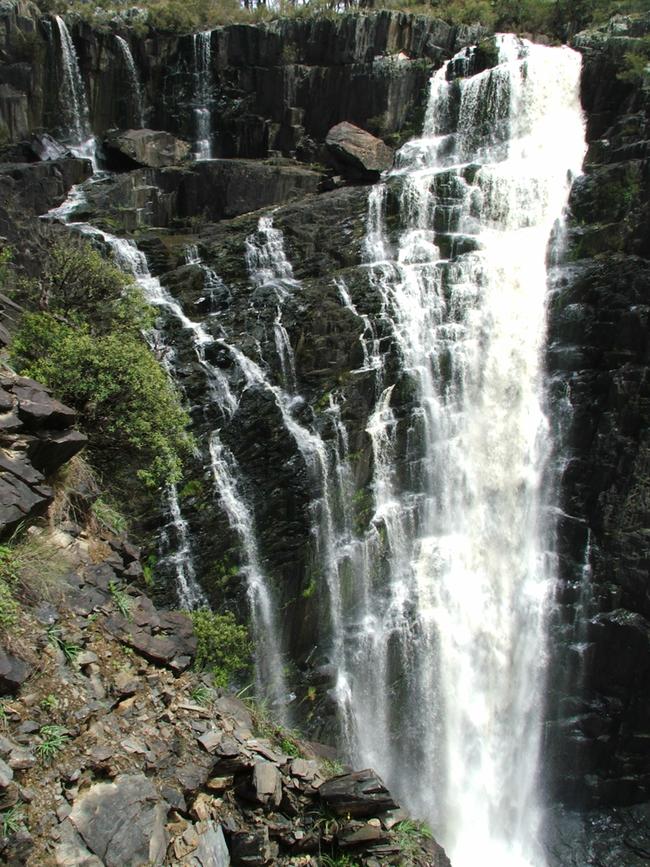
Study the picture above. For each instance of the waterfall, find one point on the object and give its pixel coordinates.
(203, 96)
(176, 543)
(442, 666)
(135, 87)
(73, 103)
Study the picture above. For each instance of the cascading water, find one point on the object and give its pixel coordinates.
(135, 87)
(176, 541)
(203, 95)
(441, 674)
(73, 102)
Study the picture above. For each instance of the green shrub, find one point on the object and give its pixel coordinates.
(126, 402)
(88, 347)
(636, 62)
(108, 517)
(224, 647)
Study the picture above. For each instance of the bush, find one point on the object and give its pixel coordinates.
(88, 346)
(224, 647)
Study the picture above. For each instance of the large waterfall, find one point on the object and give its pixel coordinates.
(441, 660)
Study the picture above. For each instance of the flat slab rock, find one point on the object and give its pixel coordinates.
(122, 822)
(154, 149)
(358, 794)
(364, 153)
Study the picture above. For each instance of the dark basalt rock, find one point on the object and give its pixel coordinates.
(13, 673)
(358, 794)
(31, 451)
(598, 736)
(122, 822)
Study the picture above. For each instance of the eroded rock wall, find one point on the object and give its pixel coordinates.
(599, 356)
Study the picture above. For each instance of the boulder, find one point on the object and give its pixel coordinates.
(357, 153)
(123, 822)
(13, 673)
(251, 848)
(211, 850)
(358, 794)
(153, 149)
(267, 783)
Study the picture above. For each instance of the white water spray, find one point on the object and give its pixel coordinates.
(447, 663)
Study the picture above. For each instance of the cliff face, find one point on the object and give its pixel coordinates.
(277, 89)
(598, 358)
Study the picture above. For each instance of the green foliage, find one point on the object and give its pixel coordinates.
(88, 347)
(50, 702)
(8, 606)
(125, 400)
(53, 739)
(6, 255)
(193, 488)
(266, 726)
(224, 647)
(409, 836)
(201, 694)
(338, 861)
(121, 599)
(362, 508)
(69, 649)
(108, 517)
(331, 768)
(636, 62)
(290, 747)
(12, 819)
(311, 588)
(148, 567)
(223, 572)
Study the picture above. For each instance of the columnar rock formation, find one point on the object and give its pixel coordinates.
(274, 280)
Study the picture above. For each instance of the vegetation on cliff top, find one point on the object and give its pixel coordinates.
(87, 344)
(557, 18)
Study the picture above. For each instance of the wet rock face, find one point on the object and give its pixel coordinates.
(598, 356)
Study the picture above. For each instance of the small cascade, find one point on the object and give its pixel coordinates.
(73, 102)
(175, 540)
(203, 95)
(213, 285)
(176, 550)
(269, 671)
(442, 647)
(267, 261)
(135, 87)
